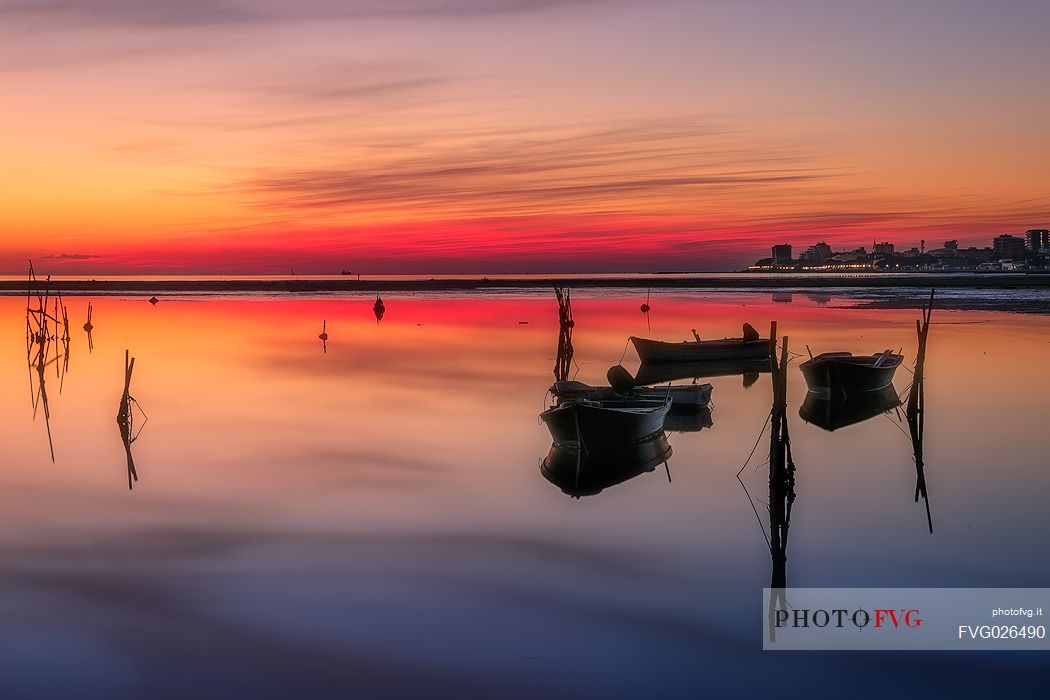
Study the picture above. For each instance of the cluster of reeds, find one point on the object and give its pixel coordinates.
(47, 344)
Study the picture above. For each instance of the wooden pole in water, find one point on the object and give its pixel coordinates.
(916, 412)
(124, 417)
(781, 491)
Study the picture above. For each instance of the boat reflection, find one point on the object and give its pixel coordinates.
(587, 472)
(688, 421)
(378, 308)
(661, 373)
(834, 411)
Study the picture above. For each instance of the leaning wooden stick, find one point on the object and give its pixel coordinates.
(917, 409)
(124, 417)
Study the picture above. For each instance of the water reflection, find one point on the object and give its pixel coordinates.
(307, 521)
(88, 327)
(47, 345)
(917, 409)
(645, 309)
(378, 308)
(781, 486)
(126, 419)
(563, 358)
(834, 411)
(589, 471)
(660, 373)
(685, 421)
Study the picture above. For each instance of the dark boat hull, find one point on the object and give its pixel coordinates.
(683, 397)
(588, 472)
(576, 422)
(657, 351)
(847, 375)
(832, 412)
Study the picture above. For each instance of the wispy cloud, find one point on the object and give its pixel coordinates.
(70, 256)
(189, 14)
(617, 168)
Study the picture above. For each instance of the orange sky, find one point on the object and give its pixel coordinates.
(226, 136)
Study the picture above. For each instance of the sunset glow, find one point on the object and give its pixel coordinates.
(444, 136)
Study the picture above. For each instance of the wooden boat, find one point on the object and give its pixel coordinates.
(751, 346)
(614, 421)
(683, 396)
(587, 472)
(834, 411)
(842, 372)
(663, 372)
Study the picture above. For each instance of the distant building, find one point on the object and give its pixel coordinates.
(852, 256)
(1037, 239)
(817, 254)
(1007, 247)
(1006, 252)
(979, 254)
(782, 253)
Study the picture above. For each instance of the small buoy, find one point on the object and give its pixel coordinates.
(644, 308)
(154, 300)
(523, 323)
(324, 330)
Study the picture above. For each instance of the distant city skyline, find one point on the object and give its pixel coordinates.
(474, 136)
(1006, 251)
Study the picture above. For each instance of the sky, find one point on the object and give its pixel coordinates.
(502, 136)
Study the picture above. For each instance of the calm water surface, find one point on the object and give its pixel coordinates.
(371, 521)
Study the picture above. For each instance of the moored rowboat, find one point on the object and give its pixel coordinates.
(843, 372)
(751, 346)
(621, 421)
(683, 396)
